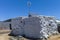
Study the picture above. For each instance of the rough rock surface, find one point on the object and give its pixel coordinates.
(35, 26)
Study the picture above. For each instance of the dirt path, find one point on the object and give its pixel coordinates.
(54, 37)
(4, 34)
(4, 37)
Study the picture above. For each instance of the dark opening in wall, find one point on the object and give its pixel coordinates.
(10, 26)
(58, 28)
(21, 21)
(49, 24)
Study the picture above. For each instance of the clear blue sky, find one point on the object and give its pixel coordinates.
(16, 8)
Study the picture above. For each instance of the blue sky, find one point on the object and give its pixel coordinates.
(16, 8)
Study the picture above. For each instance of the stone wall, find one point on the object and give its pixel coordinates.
(17, 26)
(4, 25)
(35, 26)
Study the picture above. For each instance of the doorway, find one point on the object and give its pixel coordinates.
(10, 26)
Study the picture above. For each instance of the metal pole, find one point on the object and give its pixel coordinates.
(29, 6)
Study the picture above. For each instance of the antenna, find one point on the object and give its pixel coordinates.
(29, 6)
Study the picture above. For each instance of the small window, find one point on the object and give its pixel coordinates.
(49, 24)
(21, 21)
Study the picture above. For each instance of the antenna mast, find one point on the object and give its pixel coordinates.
(29, 6)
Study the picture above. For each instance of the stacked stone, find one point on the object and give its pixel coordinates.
(17, 26)
(49, 26)
(4, 25)
(32, 27)
(39, 27)
(35, 26)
